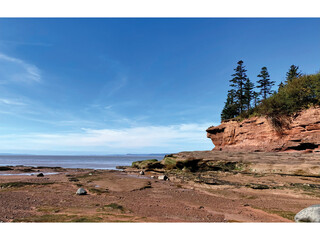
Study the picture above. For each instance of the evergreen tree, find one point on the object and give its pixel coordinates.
(255, 98)
(281, 85)
(237, 82)
(230, 109)
(248, 93)
(264, 83)
(293, 73)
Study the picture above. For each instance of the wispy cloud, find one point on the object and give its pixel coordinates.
(12, 102)
(187, 136)
(114, 86)
(17, 70)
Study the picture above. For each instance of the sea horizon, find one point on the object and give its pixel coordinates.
(110, 161)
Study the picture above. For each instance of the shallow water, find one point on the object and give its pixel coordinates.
(92, 162)
(27, 174)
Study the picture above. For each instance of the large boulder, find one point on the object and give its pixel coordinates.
(309, 214)
(81, 191)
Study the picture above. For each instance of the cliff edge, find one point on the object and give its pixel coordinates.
(300, 132)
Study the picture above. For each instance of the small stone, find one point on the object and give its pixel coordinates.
(141, 172)
(153, 177)
(90, 174)
(163, 177)
(201, 207)
(81, 191)
(309, 214)
(257, 186)
(246, 205)
(40, 175)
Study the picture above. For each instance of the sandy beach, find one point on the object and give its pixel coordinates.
(127, 196)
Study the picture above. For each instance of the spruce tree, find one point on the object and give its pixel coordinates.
(255, 98)
(230, 109)
(237, 82)
(248, 93)
(264, 83)
(281, 85)
(292, 73)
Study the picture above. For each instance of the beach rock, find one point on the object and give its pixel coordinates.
(81, 191)
(121, 167)
(141, 172)
(5, 168)
(309, 214)
(40, 175)
(300, 132)
(163, 177)
(257, 186)
(147, 164)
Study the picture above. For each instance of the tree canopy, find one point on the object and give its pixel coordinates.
(293, 73)
(264, 83)
(298, 92)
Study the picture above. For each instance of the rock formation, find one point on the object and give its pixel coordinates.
(300, 132)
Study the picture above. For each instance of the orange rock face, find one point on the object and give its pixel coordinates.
(300, 132)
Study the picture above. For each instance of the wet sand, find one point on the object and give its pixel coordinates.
(126, 196)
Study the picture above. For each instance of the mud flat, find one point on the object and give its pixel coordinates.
(203, 187)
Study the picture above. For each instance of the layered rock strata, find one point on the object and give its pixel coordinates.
(300, 132)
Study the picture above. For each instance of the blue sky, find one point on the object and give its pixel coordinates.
(105, 86)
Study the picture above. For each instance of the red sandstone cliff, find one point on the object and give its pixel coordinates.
(300, 133)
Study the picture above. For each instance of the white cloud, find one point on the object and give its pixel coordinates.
(12, 102)
(18, 70)
(157, 138)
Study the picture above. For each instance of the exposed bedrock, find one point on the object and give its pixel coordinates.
(300, 132)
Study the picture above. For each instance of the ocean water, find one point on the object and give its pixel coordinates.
(92, 162)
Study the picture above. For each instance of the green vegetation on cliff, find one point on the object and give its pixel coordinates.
(297, 93)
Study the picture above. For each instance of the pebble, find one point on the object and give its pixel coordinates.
(163, 177)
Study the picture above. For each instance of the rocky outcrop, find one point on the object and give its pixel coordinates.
(300, 132)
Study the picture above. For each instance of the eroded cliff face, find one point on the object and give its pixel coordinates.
(300, 132)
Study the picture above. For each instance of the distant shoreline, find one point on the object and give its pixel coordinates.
(75, 161)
